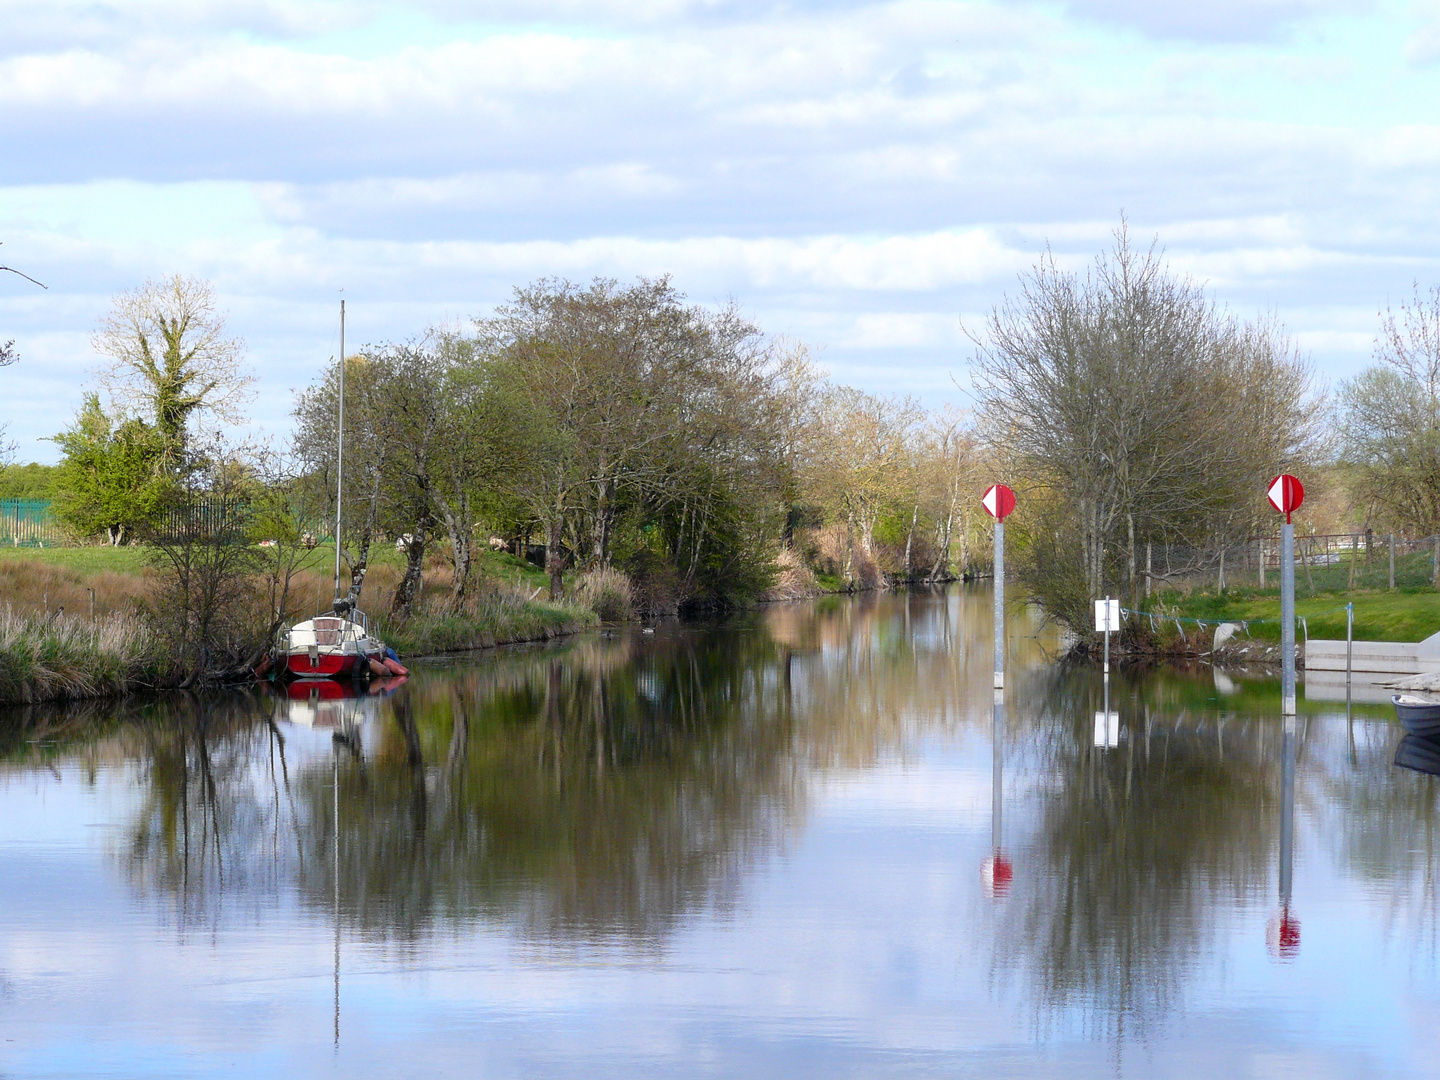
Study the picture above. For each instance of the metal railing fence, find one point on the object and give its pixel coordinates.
(1358, 560)
(29, 523)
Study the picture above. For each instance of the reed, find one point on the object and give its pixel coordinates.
(69, 657)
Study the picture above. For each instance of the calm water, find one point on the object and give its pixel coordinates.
(762, 849)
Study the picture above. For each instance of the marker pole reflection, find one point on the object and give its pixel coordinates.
(997, 871)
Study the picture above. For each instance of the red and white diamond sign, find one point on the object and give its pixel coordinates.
(998, 501)
(1286, 494)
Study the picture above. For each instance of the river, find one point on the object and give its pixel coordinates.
(802, 843)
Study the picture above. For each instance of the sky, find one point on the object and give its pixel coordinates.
(866, 178)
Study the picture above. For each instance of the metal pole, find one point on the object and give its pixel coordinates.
(1287, 619)
(999, 605)
(340, 452)
(1107, 646)
(997, 777)
(1392, 560)
(1287, 811)
(1107, 706)
(335, 766)
(1349, 646)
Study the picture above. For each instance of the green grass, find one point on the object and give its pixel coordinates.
(1409, 614)
(133, 558)
(85, 560)
(511, 568)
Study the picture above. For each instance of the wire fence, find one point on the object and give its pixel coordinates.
(1358, 560)
(31, 522)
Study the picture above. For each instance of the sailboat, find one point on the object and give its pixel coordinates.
(337, 644)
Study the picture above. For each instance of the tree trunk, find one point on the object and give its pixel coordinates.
(910, 538)
(409, 588)
(360, 567)
(462, 547)
(599, 550)
(1130, 532)
(367, 537)
(942, 561)
(554, 560)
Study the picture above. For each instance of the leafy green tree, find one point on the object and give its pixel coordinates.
(32, 481)
(110, 480)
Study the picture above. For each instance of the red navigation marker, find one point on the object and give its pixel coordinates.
(1286, 494)
(999, 500)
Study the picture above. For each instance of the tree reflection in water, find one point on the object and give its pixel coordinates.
(1135, 850)
(603, 790)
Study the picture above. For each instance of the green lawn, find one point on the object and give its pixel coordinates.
(85, 560)
(1409, 614)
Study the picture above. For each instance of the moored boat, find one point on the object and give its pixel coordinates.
(337, 645)
(1418, 715)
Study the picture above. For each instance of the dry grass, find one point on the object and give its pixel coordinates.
(67, 656)
(793, 579)
(607, 592)
(33, 588)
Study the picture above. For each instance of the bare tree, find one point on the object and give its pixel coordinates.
(171, 358)
(1390, 416)
(1131, 409)
(860, 461)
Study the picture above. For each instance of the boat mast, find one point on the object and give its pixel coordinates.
(340, 453)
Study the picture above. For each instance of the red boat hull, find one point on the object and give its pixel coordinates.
(325, 666)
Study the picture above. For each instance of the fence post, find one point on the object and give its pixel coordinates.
(1262, 562)
(1392, 560)
(1435, 564)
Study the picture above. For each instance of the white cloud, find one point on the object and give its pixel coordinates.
(854, 174)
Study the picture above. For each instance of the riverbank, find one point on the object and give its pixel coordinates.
(492, 623)
(1176, 626)
(67, 657)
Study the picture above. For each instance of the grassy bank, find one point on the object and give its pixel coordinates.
(50, 650)
(68, 657)
(492, 621)
(1401, 615)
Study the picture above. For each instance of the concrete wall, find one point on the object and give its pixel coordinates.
(1388, 657)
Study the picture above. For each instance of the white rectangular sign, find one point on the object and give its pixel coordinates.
(1107, 616)
(1107, 730)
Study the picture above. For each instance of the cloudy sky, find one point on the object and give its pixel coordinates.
(860, 176)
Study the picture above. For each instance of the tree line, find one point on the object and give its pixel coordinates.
(601, 428)
(609, 427)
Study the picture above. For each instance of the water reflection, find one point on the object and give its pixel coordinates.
(1148, 842)
(1141, 844)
